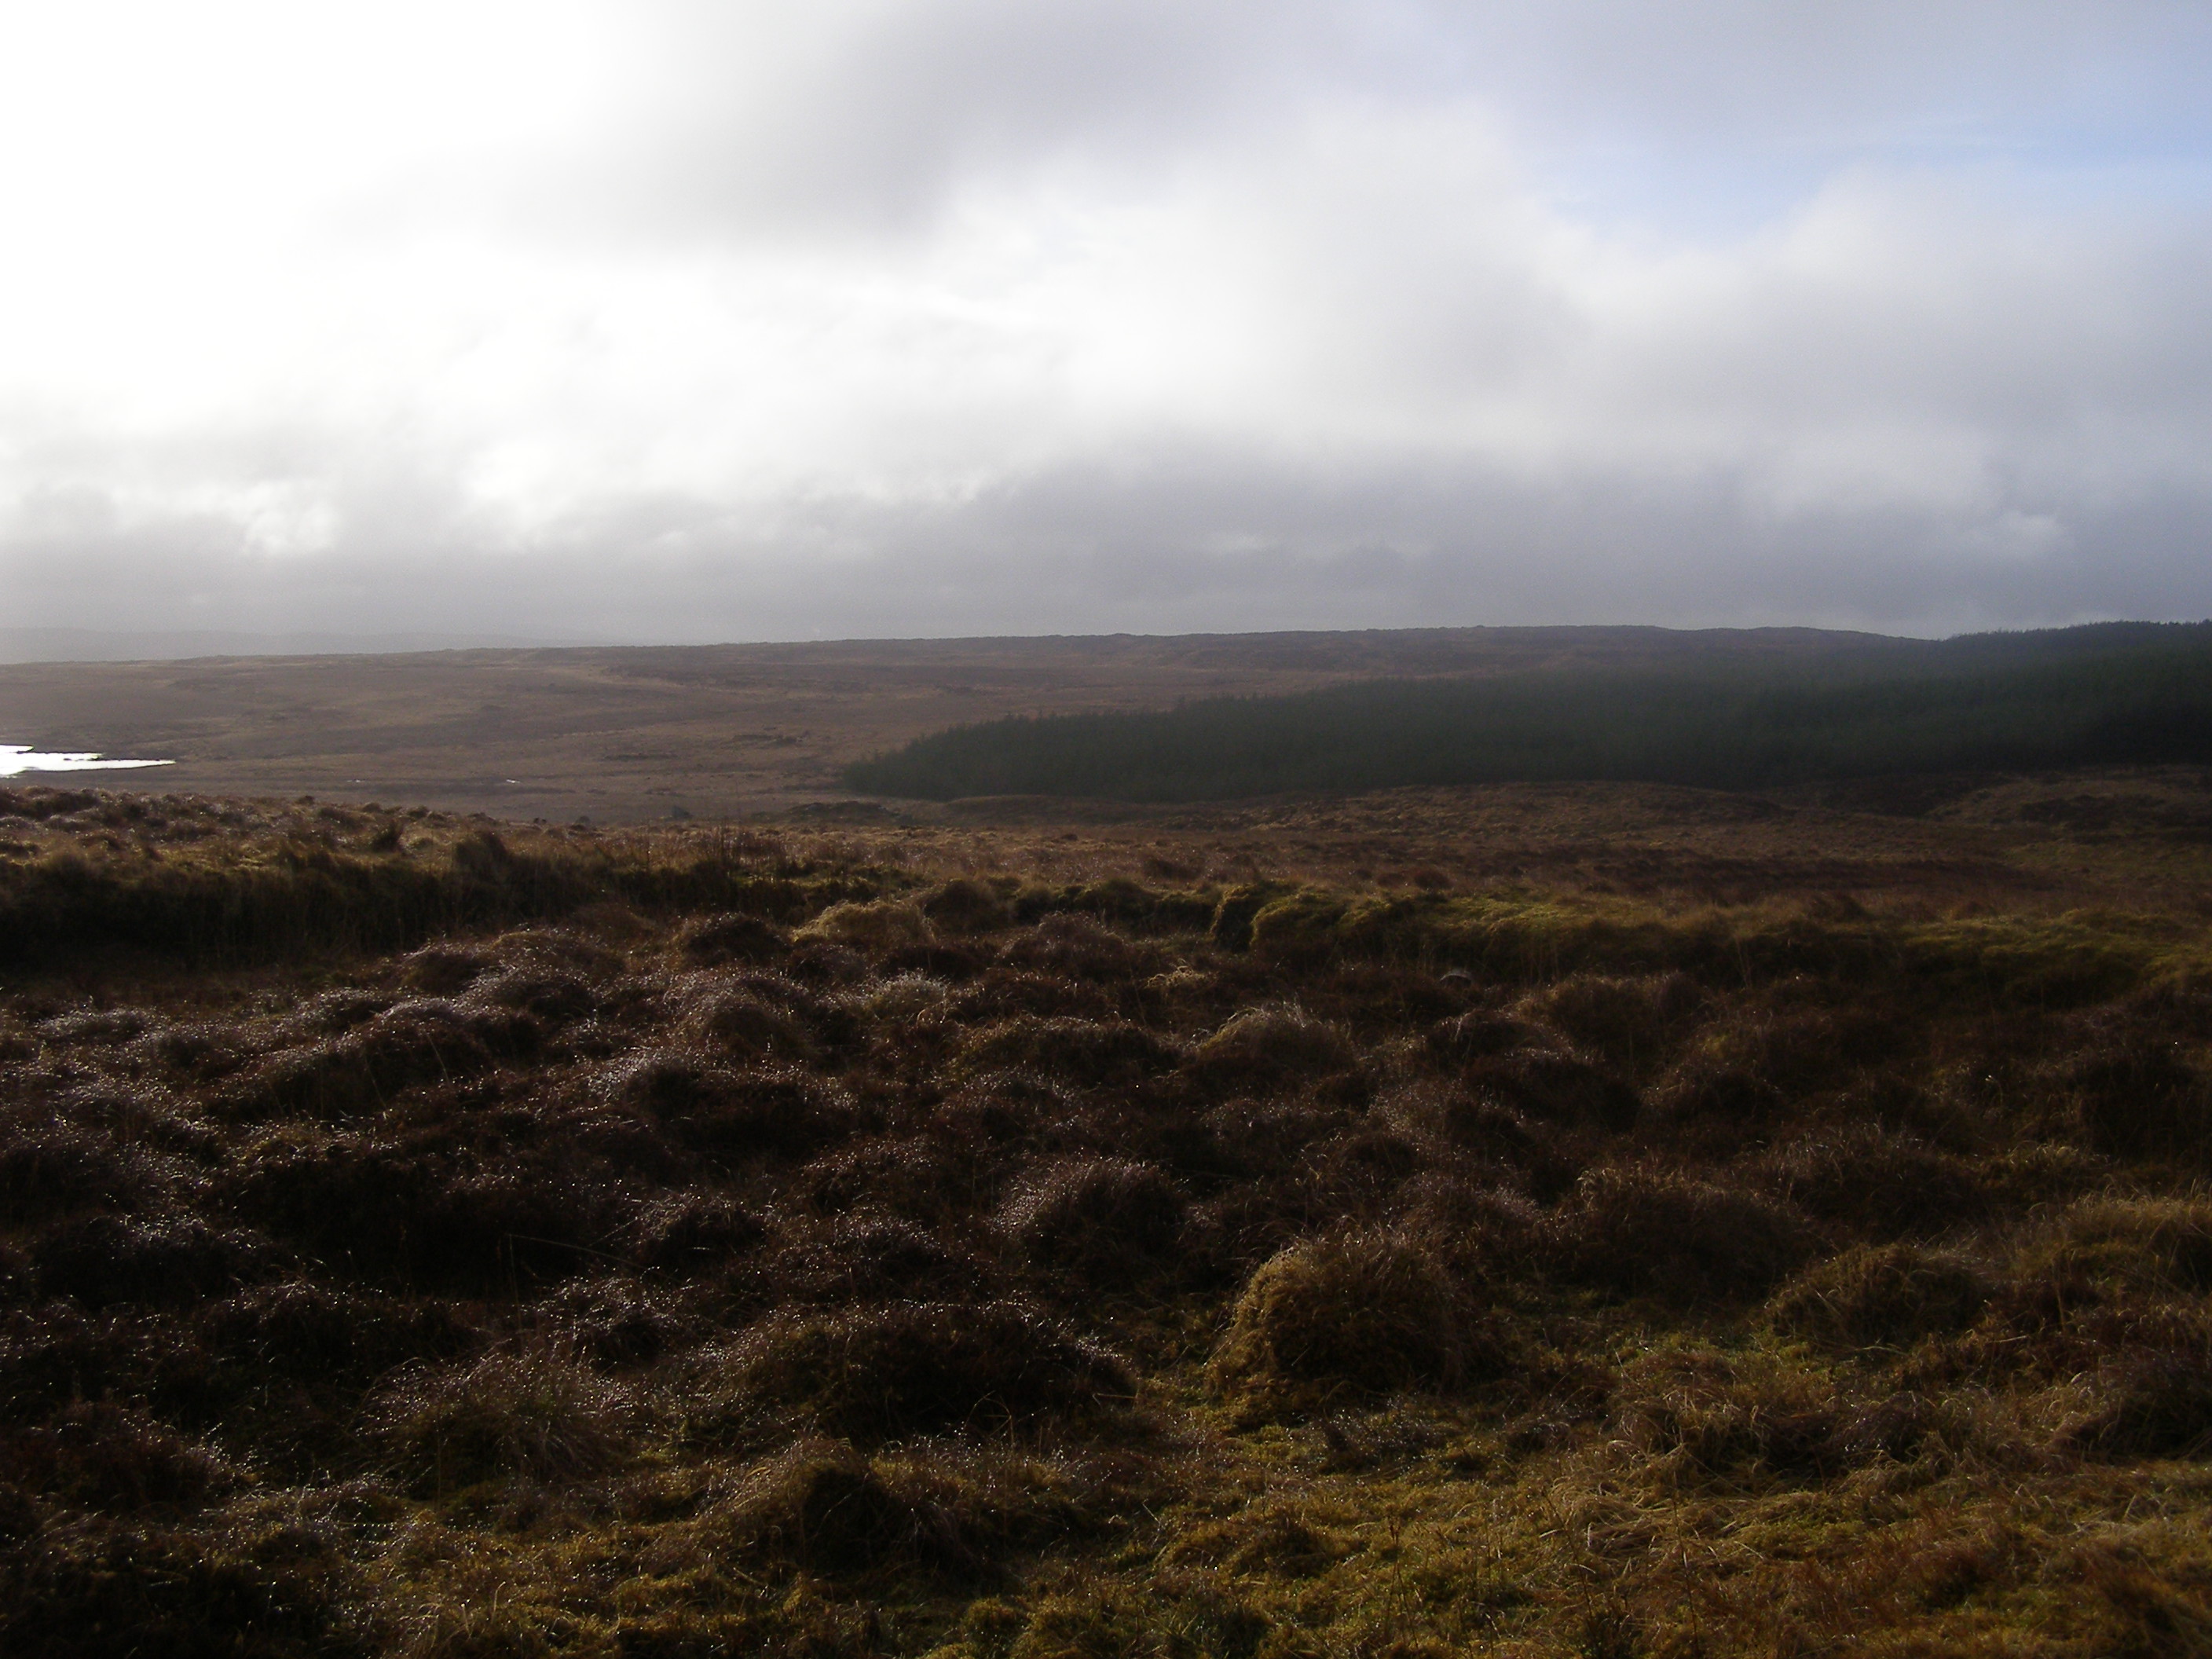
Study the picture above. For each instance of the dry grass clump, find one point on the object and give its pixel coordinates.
(965, 905)
(1480, 1034)
(730, 936)
(1259, 1047)
(106, 1261)
(1633, 1023)
(879, 1373)
(742, 1023)
(1358, 1313)
(785, 1111)
(1649, 1230)
(2157, 1245)
(1883, 1183)
(693, 1232)
(820, 1504)
(1705, 1418)
(669, 1242)
(1557, 1088)
(1087, 1052)
(1886, 1296)
(1098, 1221)
(872, 927)
(2142, 1099)
(1075, 947)
(535, 1415)
(2152, 1401)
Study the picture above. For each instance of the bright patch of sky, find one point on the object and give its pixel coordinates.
(675, 320)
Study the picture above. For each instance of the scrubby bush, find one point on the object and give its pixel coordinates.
(1363, 1313)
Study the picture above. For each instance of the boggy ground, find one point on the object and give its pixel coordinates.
(419, 1236)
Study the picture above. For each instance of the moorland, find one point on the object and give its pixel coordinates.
(624, 735)
(1604, 1218)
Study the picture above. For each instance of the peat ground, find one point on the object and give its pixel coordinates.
(1577, 1219)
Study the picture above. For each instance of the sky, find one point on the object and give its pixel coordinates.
(673, 320)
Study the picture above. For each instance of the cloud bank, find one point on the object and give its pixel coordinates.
(679, 321)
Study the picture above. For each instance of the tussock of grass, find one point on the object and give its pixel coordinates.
(418, 1235)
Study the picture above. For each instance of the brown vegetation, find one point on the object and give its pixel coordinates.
(426, 1236)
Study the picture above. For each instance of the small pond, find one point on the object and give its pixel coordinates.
(15, 758)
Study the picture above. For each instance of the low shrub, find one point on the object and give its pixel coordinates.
(875, 1374)
(1362, 1313)
(1095, 1222)
(1881, 1296)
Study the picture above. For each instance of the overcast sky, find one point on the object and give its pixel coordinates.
(657, 320)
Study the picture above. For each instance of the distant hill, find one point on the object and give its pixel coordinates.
(171, 645)
(1702, 710)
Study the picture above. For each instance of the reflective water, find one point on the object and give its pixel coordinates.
(18, 758)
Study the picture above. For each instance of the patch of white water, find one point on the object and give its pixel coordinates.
(17, 757)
